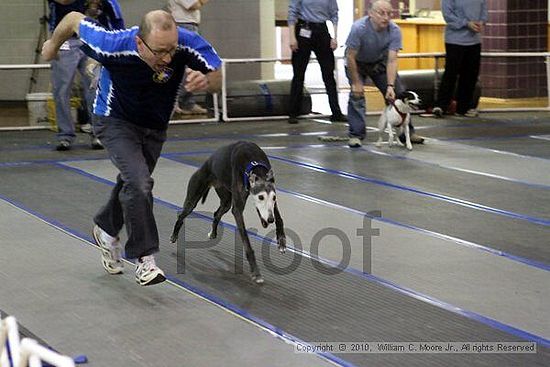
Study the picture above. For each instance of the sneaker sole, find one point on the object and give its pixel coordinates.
(103, 261)
(156, 280)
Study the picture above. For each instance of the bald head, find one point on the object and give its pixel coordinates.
(156, 20)
(376, 4)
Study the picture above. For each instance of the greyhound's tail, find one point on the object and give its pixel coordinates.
(205, 195)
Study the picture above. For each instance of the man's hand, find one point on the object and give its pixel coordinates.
(333, 44)
(196, 81)
(475, 26)
(357, 89)
(49, 51)
(390, 94)
(293, 43)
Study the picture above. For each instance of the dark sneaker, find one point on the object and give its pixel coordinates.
(438, 112)
(415, 139)
(63, 145)
(96, 144)
(147, 272)
(338, 118)
(292, 120)
(111, 251)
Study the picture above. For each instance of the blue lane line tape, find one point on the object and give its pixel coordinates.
(89, 241)
(280, 333)
(404, 290)
(446, 198)
(80, 359)
(458, 241)
(474, 172)
(170, 156)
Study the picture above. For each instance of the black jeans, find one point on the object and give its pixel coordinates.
(462, 63)
(134, 150)
(319, 43)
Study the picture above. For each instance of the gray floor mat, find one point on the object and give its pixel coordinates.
(305, 303)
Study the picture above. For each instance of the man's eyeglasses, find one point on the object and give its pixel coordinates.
(159, 54)
(382, 13)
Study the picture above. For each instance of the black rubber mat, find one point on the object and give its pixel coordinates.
(305, 303)
(516, 237)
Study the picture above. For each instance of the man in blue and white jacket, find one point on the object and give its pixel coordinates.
(142, 70)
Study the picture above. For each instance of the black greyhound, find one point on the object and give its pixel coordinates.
(236, 171)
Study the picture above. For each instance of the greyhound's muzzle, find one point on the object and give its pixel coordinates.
(264, 222)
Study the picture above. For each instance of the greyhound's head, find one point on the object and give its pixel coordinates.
(262, 190)
(411, 99)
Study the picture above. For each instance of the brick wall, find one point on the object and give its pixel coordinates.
(515, 26)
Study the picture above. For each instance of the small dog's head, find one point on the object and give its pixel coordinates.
(262, 190)
(411, 99)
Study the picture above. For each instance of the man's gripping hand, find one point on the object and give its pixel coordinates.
(49, 50)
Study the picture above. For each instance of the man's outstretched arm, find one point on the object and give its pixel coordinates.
(68, 26)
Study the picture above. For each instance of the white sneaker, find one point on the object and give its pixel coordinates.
(147, 272)
(354, 143)
(471, 113)
(111, 251)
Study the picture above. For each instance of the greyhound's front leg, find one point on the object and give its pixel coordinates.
(237, 211)
(280, 230)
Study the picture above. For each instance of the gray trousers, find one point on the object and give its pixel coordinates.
(134, 151)
(62, 75)
(357, 105)
(185, 98)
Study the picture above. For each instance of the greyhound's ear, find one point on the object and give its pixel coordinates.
(270, 176)
(252, 178)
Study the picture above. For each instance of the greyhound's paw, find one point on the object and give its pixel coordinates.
(378, 144)
(282, 244)
(212, 235)
(409, 147)
(173, 239)
(257, 278)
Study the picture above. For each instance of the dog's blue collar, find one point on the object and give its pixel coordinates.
(249, 167)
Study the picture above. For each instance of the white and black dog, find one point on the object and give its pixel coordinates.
(236, 171)
(398, 115)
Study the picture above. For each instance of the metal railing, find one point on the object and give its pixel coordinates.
(27, 352)
(224, 115)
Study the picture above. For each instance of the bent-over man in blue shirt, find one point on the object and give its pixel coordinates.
(142, 70)
(372, 47)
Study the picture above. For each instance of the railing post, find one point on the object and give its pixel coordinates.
(548, 80)
(224, 91)
(436, 79)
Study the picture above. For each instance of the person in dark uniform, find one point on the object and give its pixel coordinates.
(309, 32)
(142, 69)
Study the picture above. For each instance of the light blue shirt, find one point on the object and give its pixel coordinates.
(373, 46)
(457, 14)
(314, 11)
